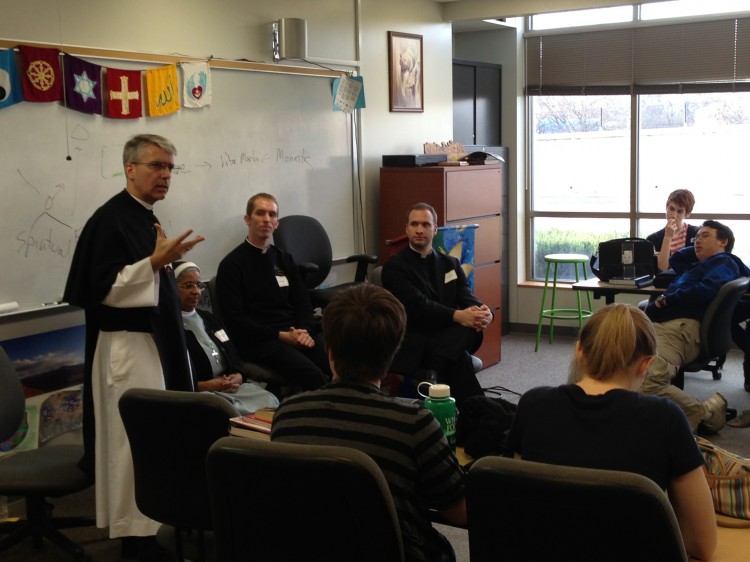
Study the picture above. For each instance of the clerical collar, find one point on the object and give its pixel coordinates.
(421, 255)
(145, 205)
(262, 250)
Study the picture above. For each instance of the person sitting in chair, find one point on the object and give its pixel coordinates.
(677, 313)
(265, 305)
(214, 362)
(676, 234)
(603, 422)
(362, 328)
(445, 322)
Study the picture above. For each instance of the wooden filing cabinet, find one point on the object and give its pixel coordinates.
(460, 195)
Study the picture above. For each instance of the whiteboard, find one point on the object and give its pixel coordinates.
(275, 133)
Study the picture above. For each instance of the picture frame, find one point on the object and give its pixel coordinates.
(405, 72)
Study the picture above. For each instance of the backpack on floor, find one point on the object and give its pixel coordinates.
(482, 425)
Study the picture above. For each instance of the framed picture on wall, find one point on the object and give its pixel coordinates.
(405, 72)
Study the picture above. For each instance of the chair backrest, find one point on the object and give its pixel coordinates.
(716, 326)
(306, 239)
(376, 276)
(170, 433)
(213, 298)
(522, 510)
(12, 400)
(281, 501)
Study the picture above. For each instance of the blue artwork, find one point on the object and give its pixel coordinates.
(458, 241)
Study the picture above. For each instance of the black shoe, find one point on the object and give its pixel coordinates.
(145, 549)
(129, 547)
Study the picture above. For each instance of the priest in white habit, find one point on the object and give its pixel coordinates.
(121, 276)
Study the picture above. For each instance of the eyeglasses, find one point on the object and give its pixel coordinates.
(157, 166)
(189, 286)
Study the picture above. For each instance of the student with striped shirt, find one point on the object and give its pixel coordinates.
(362, 329)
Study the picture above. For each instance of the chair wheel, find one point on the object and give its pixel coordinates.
(717, 375)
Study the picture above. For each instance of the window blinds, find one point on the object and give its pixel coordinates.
(708, 56)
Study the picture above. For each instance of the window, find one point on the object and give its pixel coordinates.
(581, 161)
(578, 18)
(684, 8)
(621, 117)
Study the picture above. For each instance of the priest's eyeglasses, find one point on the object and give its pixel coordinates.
(189, 285)
(157, 166)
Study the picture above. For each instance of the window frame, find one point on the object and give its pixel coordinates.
(738, 82)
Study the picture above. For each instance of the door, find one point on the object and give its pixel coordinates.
(476, 102)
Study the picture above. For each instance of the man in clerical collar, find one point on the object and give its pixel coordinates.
(265, 305)
(445, 322)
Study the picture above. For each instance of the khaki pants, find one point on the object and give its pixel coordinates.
(677, 343)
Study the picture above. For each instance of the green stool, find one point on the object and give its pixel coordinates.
(561, 313)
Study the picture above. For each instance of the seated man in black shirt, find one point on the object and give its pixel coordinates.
(264, 303)
(445, 322)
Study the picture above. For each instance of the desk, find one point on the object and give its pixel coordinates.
(601, 289)
(733, 545)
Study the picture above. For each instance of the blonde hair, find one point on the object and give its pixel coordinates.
(614, 338)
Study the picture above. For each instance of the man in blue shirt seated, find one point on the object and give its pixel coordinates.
(677, 313)
(362, 328)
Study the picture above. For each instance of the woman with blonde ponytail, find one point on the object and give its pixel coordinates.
(602, 421)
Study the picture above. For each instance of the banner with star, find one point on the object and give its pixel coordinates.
(41, 80)
(162, 92)
(83, 90)
(124, 99)
(10, 85)
(196, 84)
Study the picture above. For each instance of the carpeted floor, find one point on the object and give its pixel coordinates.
(520, 369)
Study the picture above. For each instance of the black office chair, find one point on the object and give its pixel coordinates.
(306, 239)
(715, 332)
(275, 383)
(281, 501)
(170, 433)
(13, 401)
(523, 510)
(47, 472)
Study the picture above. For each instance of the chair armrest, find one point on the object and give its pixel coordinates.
(362, 261)
(307, 267)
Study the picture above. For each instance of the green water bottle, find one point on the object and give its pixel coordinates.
(443, 407)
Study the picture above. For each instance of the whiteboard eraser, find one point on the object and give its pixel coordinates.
(8, 307)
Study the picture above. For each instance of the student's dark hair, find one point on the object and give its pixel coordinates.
(133, 148)
(723, 232)
(363, 328)
(423, 207)
(614, 338)
(251, 202)
(683, 198)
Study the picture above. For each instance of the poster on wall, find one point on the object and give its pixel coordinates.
(50, 368)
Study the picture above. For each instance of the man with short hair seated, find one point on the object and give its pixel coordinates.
(445, 322)
(677, 313)
(362, 328)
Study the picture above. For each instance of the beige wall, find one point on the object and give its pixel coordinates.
(240, 29)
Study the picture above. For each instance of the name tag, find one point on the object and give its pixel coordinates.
(222, 336)
(450, 276)
(282, 280)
